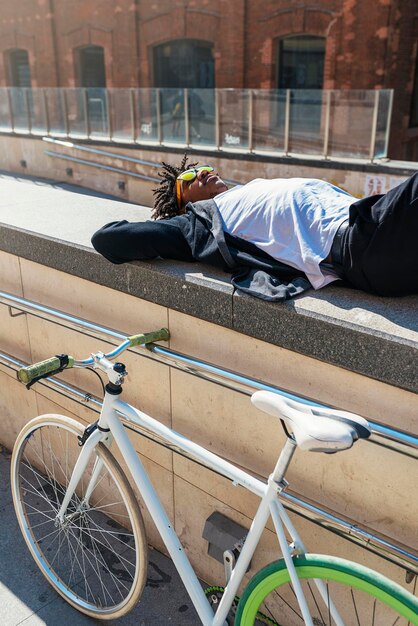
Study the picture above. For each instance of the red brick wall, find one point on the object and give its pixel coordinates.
(369, 43)
(27, 24)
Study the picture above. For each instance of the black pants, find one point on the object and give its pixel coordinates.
(380, 249)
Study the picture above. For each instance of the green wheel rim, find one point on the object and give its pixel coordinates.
(332, 568)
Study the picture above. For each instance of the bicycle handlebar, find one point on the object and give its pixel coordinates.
(32, 373)
(143, 338)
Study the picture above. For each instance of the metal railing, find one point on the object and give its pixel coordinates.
(322, 123)
(383, 435)
(113, 155)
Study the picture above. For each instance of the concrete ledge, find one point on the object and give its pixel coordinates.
(377, 337)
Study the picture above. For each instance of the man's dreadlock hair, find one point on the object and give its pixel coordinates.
(165, 203)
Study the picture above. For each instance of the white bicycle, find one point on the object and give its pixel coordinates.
(83, 525)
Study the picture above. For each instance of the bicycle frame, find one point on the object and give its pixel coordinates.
(113, 407)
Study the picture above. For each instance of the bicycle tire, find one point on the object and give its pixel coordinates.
(271, 592)
(97, 560)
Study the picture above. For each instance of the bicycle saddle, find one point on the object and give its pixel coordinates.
(314, 428)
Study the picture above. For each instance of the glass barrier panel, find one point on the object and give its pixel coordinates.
(77, 106)
(97, 112)
(120, 103)
(55, 99)
(233, 118)
(5, 118)
(20, 101)
(268, 120)
(307, 121)
(202, 117)
(172, 116)
(145, 112)
(351, 123)
(37, 109)
(159, 115)
(383, 124)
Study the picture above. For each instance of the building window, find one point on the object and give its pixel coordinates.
(184, 63)
(17, 63)
(301, 62)
(91, 73)
(413, 120)
(91, 67)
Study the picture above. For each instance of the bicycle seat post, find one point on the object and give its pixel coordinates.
(283, 461)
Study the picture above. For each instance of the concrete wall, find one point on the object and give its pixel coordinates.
(359, 180)
(369, 483)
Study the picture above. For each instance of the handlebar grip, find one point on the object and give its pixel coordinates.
(27, 374)
(143, 338)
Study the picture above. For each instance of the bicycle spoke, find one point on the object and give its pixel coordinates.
(328, 605)
(109, 547)
(42, 484)
(314, 599)
(287, 603)
(106, 506)
(98, 562)
(82, 570)
(51, 514)
(99, 529)
(58, 552)
(355, 608)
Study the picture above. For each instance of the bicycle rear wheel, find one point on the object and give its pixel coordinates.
(96, 559)
(360, 595)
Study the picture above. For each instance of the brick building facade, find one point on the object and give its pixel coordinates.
(359, 44)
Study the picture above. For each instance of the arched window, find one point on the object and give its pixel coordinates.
(301, 62)
(91, 66)
(91, 74)
(184, 63)
(18, 69)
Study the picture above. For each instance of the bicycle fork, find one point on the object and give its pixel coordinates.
(78, 472)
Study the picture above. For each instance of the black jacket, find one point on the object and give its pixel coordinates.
(198, 236)
(253, 271)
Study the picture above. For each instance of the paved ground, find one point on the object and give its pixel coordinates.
(48, 207)
(26, 598)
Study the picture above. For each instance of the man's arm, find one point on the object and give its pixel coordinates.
(120, 242)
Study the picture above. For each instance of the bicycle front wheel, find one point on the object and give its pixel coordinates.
(97, 558)
(360, 595)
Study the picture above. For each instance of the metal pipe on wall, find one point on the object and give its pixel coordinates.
(382, 546)
(382, 434)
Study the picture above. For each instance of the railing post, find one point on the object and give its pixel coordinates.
(46, 112)
(186, 117)
(108, 101)
(374, 124)
(388, 121)
(28, 116)
(287, 122)
(12, 117)
(159, 130)
(327, 119)
(132, 110)
(86, 112)
(217, 121)
(250, 119)
(64, 104)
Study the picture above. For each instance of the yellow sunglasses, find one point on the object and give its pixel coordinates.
(189, 175)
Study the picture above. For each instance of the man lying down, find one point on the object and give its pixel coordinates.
(276, 237)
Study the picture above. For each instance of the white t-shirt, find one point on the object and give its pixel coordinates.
(294, 220)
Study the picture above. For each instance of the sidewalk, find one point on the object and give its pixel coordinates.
(26, 598)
